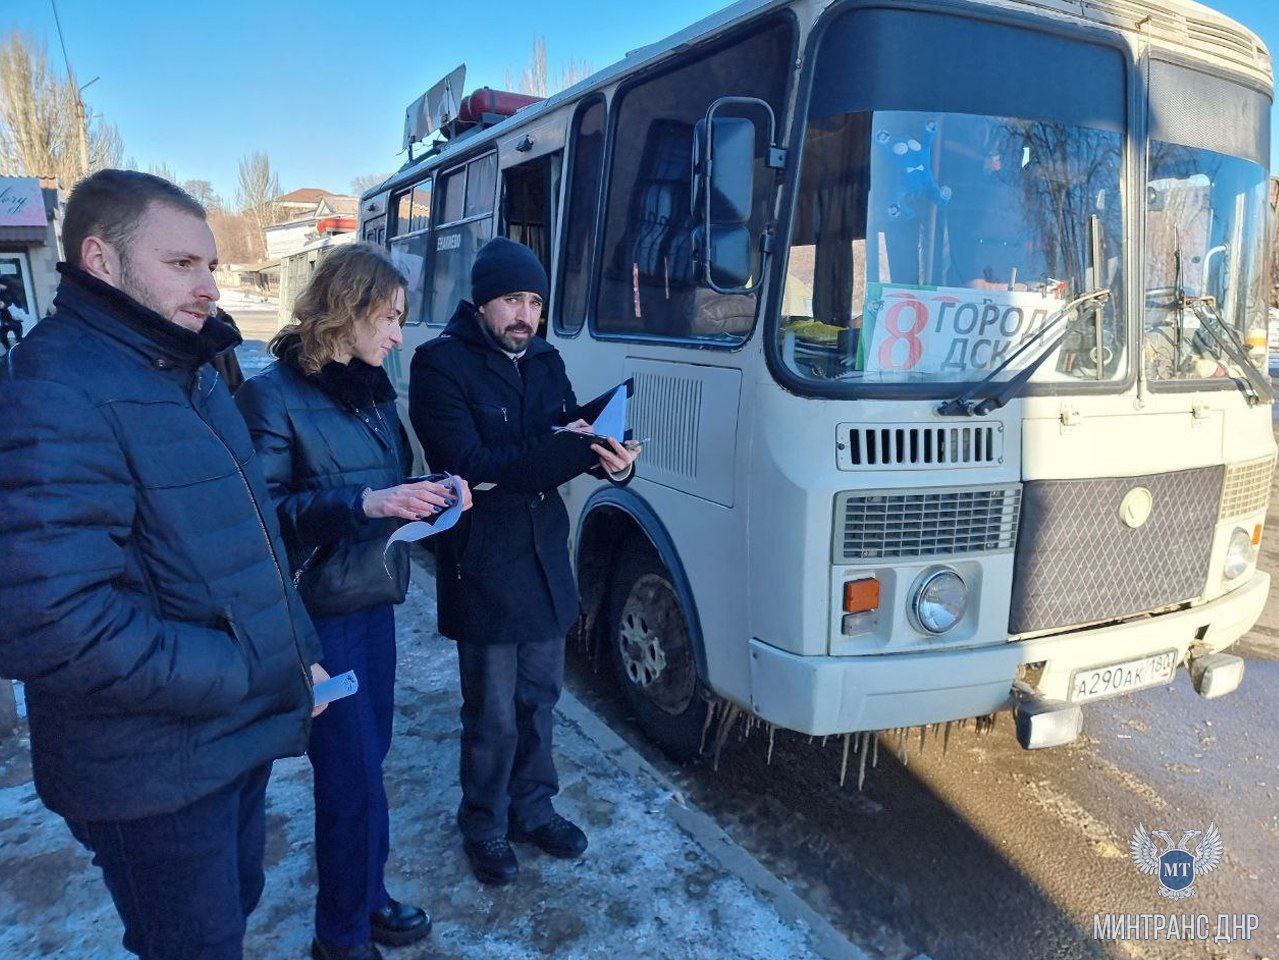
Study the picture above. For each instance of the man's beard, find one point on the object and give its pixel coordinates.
(139, 291)
(514, 343)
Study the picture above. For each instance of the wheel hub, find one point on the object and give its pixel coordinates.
(642, 651)
(653, 645)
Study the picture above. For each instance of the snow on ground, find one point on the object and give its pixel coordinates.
(232, 300)
(646, 889)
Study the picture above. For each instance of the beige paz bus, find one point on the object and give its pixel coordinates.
(944, 321)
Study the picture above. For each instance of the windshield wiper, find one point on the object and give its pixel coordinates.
(1253, 384)
(964, 405)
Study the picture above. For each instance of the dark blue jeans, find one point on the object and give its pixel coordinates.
(349, 742)
(184, 882)
(509, 691)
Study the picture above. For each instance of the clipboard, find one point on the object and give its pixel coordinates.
(607, 414)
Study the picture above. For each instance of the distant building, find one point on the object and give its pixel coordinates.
(298, 202)
(306, 207)
(30, 245)
(296, 267)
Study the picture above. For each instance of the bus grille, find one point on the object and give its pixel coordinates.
(1078, 562)
(1247, 488)
(935, 523)
(908, 446)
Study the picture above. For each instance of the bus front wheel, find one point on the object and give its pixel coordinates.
(652, 655)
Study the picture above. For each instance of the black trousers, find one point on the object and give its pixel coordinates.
(509, 691)
(185, 882)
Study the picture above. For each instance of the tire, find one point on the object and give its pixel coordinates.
(651, 652)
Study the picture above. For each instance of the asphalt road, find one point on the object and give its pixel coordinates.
(993, 852)
(257, 326)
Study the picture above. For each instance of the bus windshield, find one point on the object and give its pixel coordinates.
(1205, 241)
(927, 244)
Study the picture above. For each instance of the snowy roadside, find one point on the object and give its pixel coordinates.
(660, 880)
(231, 300)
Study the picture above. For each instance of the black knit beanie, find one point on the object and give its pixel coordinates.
(503, 266)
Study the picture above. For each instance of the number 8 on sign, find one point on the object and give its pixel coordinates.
(893, 327)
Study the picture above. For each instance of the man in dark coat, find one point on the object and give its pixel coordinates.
(147, 602)
(226, 363)
(11, 315)
(484, 398)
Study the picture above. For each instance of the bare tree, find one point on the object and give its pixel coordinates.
(203, 191)
(235, 236)
(258, 189)
(534, 79)
(40, 130)
(164, 172)
(367, 182)
(575, 71)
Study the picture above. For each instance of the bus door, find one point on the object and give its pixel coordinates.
(531, 161)
(528, 208)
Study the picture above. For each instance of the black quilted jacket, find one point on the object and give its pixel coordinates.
(322, 439)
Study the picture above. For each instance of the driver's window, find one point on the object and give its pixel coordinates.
(649, 282)
(1206, 206)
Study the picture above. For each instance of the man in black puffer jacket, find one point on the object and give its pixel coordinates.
(166, 656)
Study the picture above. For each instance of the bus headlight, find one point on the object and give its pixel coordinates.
(1238, 554)
(940, 601)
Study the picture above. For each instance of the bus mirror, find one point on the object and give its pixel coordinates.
(727, 256)
(724, 187)
(730, 157)
(723, 191)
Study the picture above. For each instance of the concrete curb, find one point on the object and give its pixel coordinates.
(704, 831)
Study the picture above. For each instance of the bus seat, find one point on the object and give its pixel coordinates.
(722, 315)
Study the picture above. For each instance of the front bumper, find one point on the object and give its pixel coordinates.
(831, 695)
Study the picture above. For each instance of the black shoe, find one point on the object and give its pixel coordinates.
(324, 951)
(399, 923)
(493, 861)
(559, 837)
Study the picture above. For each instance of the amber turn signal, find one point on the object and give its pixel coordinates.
(861, 595)
(1256, 541)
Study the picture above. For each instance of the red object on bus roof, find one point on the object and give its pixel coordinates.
(335, 225)
(487, 100)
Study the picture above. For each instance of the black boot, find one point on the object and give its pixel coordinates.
(493, 861)
(324, 951)
(559, 837)
(399, 923)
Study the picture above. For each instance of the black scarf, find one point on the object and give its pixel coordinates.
(185, 347)
(351, 384)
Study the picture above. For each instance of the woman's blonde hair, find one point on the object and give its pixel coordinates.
(349, 282)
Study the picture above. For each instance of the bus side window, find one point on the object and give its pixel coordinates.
(586, 166)
(649, 282)
(464, 224)
(409, 245)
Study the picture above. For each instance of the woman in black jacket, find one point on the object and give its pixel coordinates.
(324, 424)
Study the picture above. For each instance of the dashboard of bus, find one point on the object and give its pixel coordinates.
(943, 217)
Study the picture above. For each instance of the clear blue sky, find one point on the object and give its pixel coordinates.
(321, 86)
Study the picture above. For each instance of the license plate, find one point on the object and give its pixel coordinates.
(1093, 683)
